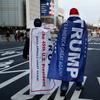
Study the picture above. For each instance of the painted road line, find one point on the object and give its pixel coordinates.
(6, 64)
(46, 96)
(15, 71)
(14, 66)
(90, 39)
(20, 95)
(94, 49)
(8, 53)
(16, 51)
(57, 84)
(98, 78)
(95, 43)
(76, 94)
(2, 50)
(97, 49)
(10, 56)
(13, 79)
(58, 97)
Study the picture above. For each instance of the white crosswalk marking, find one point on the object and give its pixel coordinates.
(76, 94)
(58, 83)
(14, 66)
(95, 43)
(13, 71)
(98, 78)
(15, 48)
(94, 49)
(58, 97)
(11, 56)
(13, 79)
(45, 97)
(20, 95)
(8, 53)
(6, 64)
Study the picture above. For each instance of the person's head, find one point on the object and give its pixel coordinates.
(74, 11)
(27, 30)
(37, 22)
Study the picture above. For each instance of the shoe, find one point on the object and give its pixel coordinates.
(64, 88)
(62, 93)
(79, 86)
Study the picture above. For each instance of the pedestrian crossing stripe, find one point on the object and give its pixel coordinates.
(75, 96)
(94, 43)
(98, 78)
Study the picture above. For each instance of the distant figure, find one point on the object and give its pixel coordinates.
(7, 35)
(69, 57)
(37, 24)
(26, 46)
(19, 36)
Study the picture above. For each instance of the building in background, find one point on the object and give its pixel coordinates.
(12, 13)
(49, 11)
(21, 13)
(32, 12)
(18, 13)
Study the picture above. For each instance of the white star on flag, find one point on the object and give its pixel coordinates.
(47, 4)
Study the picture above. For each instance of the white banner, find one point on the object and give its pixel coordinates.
(39, 56)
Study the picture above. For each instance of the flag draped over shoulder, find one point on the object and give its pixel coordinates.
(69, 56)
(39, 59)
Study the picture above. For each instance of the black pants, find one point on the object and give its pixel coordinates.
(65, 85)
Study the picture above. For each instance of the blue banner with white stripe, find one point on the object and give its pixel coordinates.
(47, 7)
(69, 56)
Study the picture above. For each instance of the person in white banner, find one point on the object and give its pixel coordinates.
(39, 47)
(37, 23)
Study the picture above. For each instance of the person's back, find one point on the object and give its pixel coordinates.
(37, 24)
(40, 51)
(69, 58)
(83, 47)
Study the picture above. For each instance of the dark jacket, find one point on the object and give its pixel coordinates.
(26, 49)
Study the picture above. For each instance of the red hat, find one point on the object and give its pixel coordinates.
(74, 11)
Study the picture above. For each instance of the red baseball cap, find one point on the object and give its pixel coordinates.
(73, 11)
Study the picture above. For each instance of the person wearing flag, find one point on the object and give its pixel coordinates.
(69, 56)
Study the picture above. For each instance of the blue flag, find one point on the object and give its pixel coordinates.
(70, 52)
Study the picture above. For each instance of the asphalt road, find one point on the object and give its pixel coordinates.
(14, 75)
